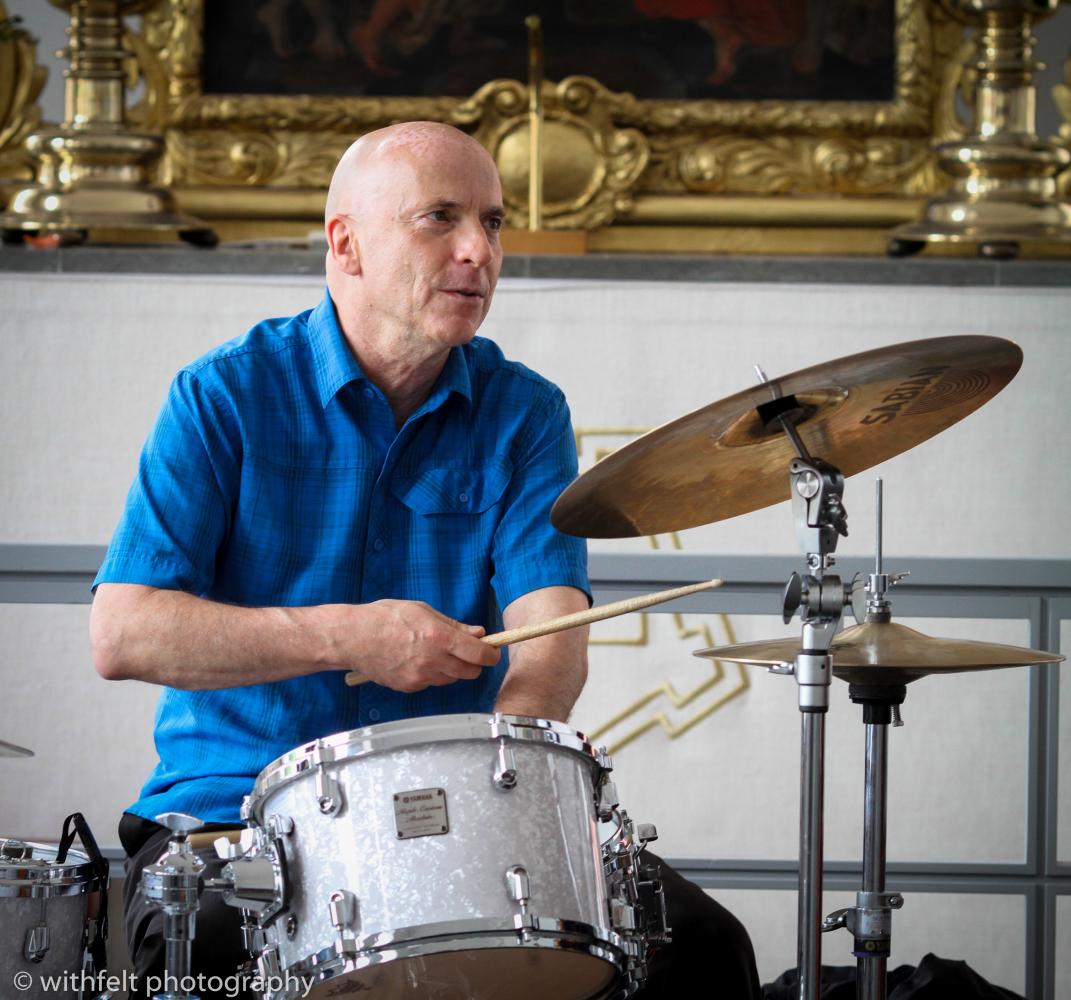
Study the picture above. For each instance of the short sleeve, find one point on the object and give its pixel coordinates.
(529, 553)
(179, 508)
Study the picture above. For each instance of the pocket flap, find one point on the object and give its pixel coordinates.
(454, 490)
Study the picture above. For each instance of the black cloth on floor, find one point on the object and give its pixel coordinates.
(934, 979)
(708, 941)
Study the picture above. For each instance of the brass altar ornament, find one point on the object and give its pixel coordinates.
(93, 170)
(1004, 177)
(21, 81)
(590, 165)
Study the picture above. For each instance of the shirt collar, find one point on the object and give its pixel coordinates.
(336, 366)
(333, 360)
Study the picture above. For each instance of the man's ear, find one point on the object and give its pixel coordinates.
(342, 244)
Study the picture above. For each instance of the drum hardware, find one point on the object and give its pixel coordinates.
(576, 619)
(173, 885)
(328, 793)
(505, 773)
(254, 877)
(519, 889)
(344, 909)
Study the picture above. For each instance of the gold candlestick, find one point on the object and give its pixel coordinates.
(93, 171)
(1004, 188)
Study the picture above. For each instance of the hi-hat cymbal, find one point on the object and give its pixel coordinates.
(721, 460)
(887, 653)
(10, 750)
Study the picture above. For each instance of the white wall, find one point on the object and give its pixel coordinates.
(85, 361)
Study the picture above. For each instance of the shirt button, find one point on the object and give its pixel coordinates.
(373, 714)
(463, 497)
(369, 392)
(378, 545)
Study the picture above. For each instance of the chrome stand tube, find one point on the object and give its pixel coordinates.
(872, 968)
(812, 794)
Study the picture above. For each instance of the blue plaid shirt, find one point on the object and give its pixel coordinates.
(275, 476)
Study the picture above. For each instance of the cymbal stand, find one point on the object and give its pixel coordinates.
(816, 489)
(870, 920)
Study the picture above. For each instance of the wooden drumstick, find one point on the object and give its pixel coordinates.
(578, 618)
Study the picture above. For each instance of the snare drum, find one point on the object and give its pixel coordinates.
(447, 857)
(43, 920)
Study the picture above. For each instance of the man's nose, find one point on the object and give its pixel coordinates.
(474, 244)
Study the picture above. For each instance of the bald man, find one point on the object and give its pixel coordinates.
(357, 487)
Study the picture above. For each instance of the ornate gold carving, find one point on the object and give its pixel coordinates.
(737, 164)
(607, 154)
(21, 81)
(590, 166)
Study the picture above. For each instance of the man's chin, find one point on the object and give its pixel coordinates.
(456, 335)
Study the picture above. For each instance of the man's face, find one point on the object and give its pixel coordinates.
(429, 245)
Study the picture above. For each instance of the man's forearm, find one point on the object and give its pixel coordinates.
(173, 638)
(546, 675)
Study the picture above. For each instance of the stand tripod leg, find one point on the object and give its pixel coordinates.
(812, 788)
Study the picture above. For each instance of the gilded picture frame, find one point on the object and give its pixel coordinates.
(636, 174)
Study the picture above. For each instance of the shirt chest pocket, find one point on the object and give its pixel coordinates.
(468, 489)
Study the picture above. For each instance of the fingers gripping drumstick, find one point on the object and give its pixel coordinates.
(577, 619)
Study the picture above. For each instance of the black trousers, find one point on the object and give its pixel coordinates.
(709, 947)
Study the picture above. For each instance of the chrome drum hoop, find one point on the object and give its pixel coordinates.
(348, 956)
(357, 743)
(38, 876)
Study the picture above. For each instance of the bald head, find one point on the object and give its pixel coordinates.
(359, 171)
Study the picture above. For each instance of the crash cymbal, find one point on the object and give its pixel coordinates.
(887, 653)
(10, 750)
(722, 460)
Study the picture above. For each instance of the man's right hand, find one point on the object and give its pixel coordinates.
(403, 645)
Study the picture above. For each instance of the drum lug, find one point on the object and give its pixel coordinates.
(607, 801)
(328, 793)
(622, 915)
(519, 888)
(343, 908)
(38, 941)
(505, 773)
(268, 966)
(283, 826)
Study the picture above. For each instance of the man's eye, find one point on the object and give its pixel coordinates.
(439, 215)
(494, 223)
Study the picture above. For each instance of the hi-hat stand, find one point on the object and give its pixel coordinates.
(870, 920)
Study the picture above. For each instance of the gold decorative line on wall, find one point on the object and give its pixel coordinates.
(636, 715)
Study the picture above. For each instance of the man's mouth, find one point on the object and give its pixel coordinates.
(465, 293)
